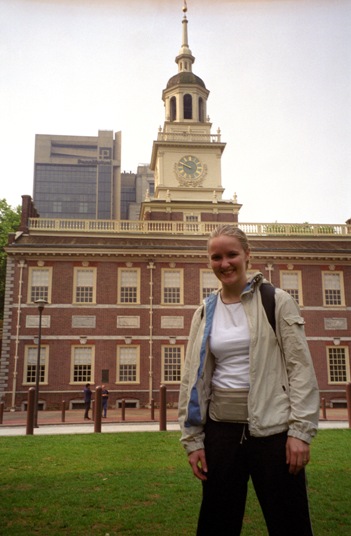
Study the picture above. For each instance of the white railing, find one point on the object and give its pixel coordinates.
(188, 137)
(174, 227)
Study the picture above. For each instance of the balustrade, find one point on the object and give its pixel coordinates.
(189, 137)
(49, 225)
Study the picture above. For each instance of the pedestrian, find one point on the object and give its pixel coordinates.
(249, 399)
(104, 399)
(87, 401)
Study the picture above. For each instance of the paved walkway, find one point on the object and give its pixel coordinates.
(72, 422)
(61, 429)
(51, 422)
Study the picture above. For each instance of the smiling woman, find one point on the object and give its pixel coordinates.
(229, 254)
(244, 409)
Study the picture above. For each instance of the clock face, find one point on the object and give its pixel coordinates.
(190, 167)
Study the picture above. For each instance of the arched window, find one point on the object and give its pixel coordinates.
(201, 110)
(173, 109)
(188, 106)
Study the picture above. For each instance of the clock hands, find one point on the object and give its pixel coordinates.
(189, 168)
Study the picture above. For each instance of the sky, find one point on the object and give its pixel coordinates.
(278, 71)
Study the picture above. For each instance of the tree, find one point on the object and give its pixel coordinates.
(9, 222)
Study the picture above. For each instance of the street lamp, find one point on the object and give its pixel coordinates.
(41, 304)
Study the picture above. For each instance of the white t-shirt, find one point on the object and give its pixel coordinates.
(230, 344)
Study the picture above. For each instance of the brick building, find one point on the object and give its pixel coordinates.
(120, 294)
(120, 300)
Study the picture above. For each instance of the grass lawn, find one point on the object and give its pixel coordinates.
(140, 484)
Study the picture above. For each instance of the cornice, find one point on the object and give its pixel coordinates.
(180, 253)
(184, 145)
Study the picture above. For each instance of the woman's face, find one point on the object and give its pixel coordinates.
(228, 260)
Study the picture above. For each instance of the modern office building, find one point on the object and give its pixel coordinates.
(121, 293)
(78, 176)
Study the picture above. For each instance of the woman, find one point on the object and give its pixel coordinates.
(249, 400)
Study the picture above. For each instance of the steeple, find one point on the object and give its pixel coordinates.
(186, 157)
(186, 95)
(185, 59)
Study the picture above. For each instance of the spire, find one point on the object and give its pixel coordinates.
(185, 59)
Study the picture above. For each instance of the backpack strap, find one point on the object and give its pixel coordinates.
(268, 301)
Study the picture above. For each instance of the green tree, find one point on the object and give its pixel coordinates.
(9, 222)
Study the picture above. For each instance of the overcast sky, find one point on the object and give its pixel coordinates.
(278, 71)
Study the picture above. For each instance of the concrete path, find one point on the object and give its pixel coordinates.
(57, 429)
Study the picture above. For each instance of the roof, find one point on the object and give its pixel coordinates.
(185, 78)
(337, 250)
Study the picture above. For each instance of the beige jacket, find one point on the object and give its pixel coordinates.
(283, 392)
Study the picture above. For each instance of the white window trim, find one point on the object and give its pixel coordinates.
(137, 348)
(30, 273)
(181, 290)
(81, 268)
(163, 347)
(299, 282)
(119, 285)
(342, 288)
(46, 373)
(92, 379)
(347, 365)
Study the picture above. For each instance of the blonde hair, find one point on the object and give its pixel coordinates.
(230, 230)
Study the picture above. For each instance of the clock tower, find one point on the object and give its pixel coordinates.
(186, 157)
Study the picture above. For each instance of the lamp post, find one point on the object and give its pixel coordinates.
(41, 304)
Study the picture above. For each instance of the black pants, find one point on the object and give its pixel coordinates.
(86, 409)
(233, 456)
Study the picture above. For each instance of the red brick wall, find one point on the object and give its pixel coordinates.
(106, 336)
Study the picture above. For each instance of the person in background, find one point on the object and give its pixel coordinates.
(249, 399)
(104, 399)
(87, 401)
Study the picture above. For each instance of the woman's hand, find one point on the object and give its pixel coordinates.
(297, 454)
(197, 461)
